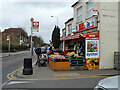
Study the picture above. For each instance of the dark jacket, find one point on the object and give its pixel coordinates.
(38, 51)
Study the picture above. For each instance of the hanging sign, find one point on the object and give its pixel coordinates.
(74, 29)
(95, 12)
(92, 51)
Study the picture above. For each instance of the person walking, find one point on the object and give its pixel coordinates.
(38, 52)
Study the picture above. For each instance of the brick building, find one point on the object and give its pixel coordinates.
(17, 36)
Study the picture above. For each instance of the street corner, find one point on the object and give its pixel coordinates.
(15, 74)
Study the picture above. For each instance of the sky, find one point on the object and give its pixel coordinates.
(17, 14)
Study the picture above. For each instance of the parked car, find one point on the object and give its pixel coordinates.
(110, 83)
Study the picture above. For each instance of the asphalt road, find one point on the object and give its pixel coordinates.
(68, 83)
(12, 63)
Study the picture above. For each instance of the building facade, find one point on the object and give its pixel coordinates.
(17, 36)
(96, 23)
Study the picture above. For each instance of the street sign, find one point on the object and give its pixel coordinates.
(8, 37)
(31, 19)
(35, 24)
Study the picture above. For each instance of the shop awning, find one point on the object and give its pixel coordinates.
(77, 36)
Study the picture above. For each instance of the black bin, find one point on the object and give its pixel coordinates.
(28, 70)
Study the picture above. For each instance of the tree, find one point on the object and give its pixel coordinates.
(56, 37)
(38, 41)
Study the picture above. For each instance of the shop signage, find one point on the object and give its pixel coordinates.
(70, 37)
(95, 12)
(74, 29)
(81, 26)
(90, 23)
(87, 24)
(92, 51)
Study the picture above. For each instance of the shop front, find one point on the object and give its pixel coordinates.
(92, 51)
(74, 43)
(85, 42)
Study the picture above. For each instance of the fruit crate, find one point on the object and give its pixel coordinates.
(59, 64)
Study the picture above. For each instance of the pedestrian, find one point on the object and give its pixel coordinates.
(38, 52)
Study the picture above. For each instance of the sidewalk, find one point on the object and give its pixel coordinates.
(46, 73)
(2, 55)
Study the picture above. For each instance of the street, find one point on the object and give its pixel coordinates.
(12, 63)
(68, 83)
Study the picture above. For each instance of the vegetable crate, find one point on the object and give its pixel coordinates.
(59, 64)
(77, 62)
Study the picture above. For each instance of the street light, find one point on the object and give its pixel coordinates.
(56, 18)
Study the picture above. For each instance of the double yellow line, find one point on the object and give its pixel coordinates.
(10, 76)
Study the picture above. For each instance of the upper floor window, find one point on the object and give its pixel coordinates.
(69, 28)
(63, 33)
(90, 7)
(79, 14)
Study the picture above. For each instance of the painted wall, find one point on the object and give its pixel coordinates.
(108, 33)
(107, 27)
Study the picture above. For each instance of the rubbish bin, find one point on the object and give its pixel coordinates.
(28, 70)
(117, 60)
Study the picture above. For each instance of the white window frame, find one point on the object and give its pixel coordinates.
(79, 15)
(89, 9)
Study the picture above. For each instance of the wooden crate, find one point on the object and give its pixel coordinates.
(59, 66)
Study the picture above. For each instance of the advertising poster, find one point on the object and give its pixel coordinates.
(92, 51)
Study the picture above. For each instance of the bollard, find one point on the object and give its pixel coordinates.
(28, 70)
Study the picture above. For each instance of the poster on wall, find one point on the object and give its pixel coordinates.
(92, 51)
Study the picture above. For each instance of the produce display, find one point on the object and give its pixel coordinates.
(93, 63)
(57, 56)
(72, 55)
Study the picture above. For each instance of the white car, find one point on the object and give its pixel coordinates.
(110, 83)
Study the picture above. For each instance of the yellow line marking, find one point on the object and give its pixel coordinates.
(62, 78)
(67, 74)
(10, 76)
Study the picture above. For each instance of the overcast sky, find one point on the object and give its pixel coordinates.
(18, 14)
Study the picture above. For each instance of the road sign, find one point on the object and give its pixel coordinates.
(31, 19)
(37, 30)
(8, 37)
(35, 24)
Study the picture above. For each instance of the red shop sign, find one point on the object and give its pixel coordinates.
(81, 26)
(92, 37)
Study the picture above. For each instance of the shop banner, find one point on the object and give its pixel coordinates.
(92, 51)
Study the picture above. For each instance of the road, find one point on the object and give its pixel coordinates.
(68, 83)
(12, 63)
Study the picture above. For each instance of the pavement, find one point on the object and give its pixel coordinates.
(2, 55)
(46, 73)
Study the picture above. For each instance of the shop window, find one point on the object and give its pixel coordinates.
(90, 7)
(79, 14)
(69, 28)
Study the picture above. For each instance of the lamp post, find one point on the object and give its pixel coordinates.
(56, 18)
(31, 37)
